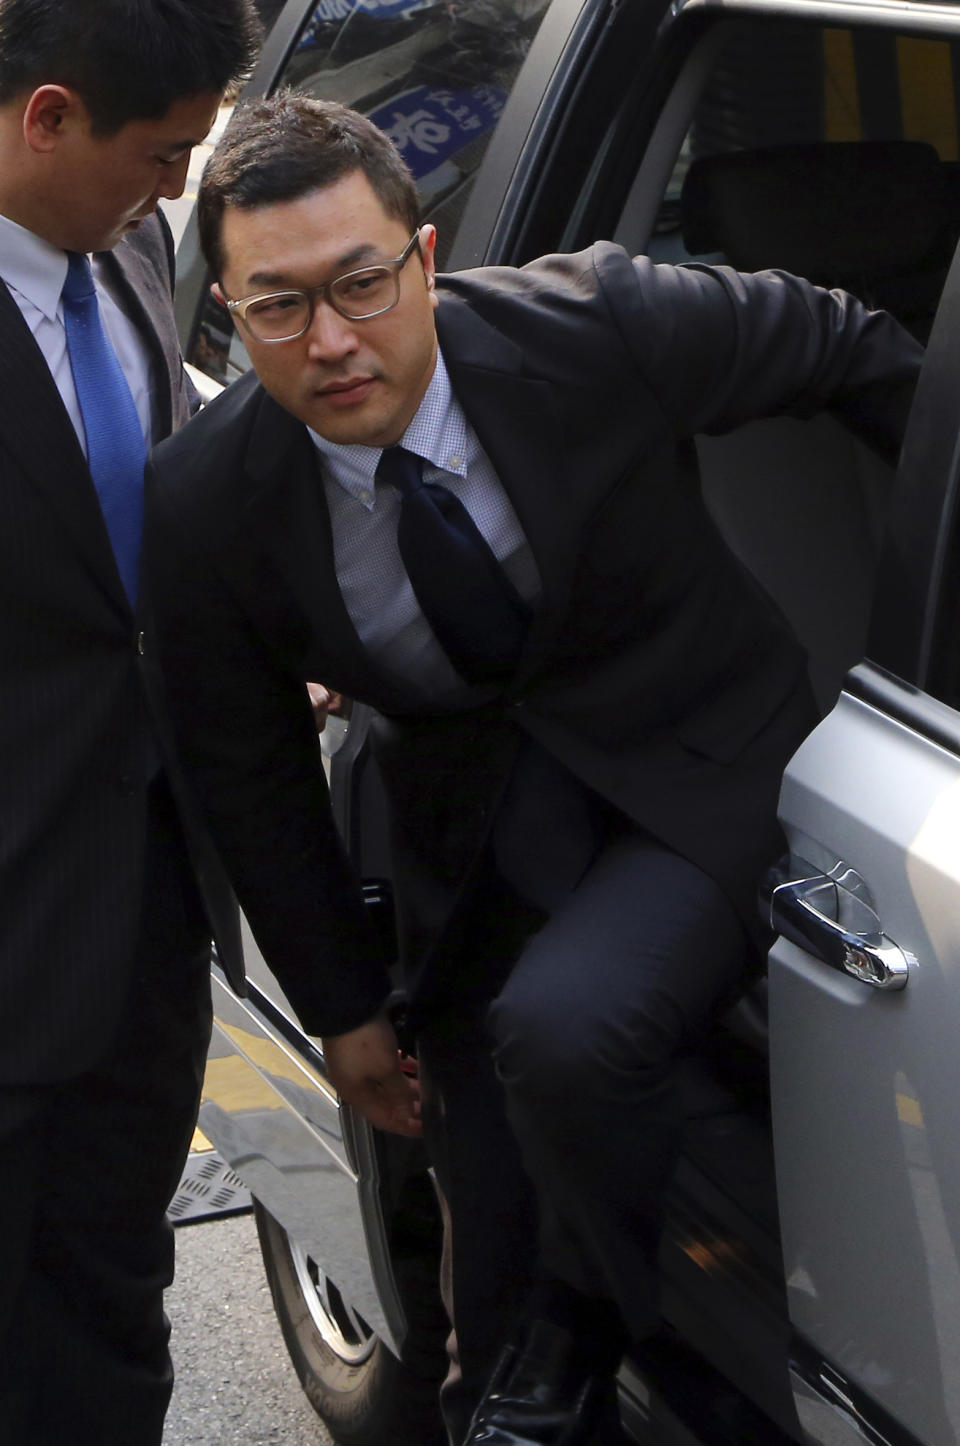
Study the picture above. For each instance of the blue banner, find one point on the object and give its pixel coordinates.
(430, 123)
(332, 10)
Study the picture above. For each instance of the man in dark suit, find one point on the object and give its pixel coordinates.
(104, 942)
(582, 795)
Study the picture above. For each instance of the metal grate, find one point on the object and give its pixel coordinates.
(208, 1187)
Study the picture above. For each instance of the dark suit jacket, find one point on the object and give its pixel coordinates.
(73, 719)
(655, 668)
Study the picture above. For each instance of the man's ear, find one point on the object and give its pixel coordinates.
(428, 243)
(216, 291)
(48, 113)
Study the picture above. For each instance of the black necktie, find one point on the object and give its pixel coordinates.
(477, 614)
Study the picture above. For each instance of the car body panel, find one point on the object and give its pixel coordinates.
(864, 1123)
(272, 1115)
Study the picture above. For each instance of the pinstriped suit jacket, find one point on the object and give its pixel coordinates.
(73, 702)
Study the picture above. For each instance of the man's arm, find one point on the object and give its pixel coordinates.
(248, 740)
(248, 734)
(718, 347)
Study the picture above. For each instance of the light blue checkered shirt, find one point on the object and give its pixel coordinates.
(370, 571)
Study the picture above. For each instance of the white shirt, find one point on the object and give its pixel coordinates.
(370, 571)
(34, 272)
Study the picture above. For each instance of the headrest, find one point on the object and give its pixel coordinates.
(835, 211)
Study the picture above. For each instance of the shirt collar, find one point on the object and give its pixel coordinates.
(32, 266)
(438, 433)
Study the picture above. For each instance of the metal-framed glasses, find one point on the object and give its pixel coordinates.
(357, 295)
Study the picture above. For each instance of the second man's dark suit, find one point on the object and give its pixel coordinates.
(655, 672)
(104, 947)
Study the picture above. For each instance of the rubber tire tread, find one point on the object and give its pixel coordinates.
(383, 1401)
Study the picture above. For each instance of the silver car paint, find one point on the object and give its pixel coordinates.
(865, 1083)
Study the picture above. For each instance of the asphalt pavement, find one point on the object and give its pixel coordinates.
(235, 1385)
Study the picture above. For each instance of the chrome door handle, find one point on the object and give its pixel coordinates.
(803, 910)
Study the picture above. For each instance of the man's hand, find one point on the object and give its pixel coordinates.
(323, 702)
(364, 1068)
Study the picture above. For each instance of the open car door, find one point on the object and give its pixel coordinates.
(865, 984)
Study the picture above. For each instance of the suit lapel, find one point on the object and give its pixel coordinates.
(36, 430)
(517, 422)
(145, 298)
(285, 562)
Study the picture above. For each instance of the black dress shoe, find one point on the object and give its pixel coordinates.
(542, 1394)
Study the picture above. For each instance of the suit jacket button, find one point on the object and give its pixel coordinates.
(141, 643)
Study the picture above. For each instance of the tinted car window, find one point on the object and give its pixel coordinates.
(830, 110)
(832, 154)
(434, 76)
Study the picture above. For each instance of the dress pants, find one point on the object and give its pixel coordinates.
(87, 1168)
(552, 1105)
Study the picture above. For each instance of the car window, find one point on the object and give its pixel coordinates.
(831, 153)
(435, 75)
(824, 151)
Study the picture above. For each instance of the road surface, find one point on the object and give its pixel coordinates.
(235, 1385)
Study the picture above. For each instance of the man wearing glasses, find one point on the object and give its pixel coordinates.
(471, 502)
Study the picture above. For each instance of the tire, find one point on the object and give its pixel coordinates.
(363, 1394)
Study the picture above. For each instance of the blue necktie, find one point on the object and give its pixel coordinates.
(116, 451)
(475, 611)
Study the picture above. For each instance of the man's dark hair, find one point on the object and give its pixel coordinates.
(288, 146)
(126, 59)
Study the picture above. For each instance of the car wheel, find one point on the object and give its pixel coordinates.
(360, 1390)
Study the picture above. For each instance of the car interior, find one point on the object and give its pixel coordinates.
(818, 169)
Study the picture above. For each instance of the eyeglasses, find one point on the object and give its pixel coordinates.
(357, 295)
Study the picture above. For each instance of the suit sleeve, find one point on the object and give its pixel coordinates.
(249, 745)
(719, 347)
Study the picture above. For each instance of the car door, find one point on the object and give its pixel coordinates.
(864, 983)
